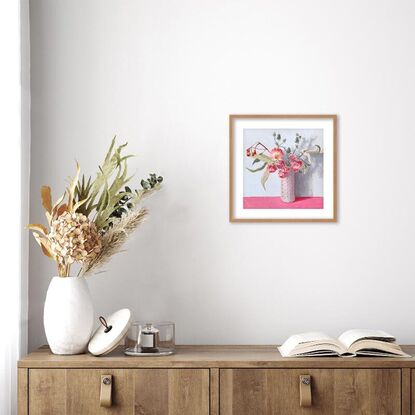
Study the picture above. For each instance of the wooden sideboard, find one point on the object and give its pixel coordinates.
(213, 380)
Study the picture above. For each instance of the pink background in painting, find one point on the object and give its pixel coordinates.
(256, 202)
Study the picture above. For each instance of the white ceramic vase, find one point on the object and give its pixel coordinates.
(288, 188)
(68, 315)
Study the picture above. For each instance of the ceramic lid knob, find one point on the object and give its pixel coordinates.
(110, 333)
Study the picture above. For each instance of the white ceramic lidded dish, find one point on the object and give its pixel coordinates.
(147, 339)
(110, 332)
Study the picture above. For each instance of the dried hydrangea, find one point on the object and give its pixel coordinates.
(74, 238)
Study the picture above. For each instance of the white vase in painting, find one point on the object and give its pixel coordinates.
(288, 188)
(68, 315)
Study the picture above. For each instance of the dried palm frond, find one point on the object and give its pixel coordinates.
(104, 192)
(82, 192)
(113, 240)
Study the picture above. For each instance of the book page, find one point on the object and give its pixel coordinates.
(310, 338)
(376, 353)
(351, 336)
(371, 347)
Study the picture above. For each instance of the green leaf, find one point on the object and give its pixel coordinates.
(257, 169)
(263, 157)
(255, 161)
(101, 190)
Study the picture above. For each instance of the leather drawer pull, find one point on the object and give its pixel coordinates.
(106, 389)
(305, 391)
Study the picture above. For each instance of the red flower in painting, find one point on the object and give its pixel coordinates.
(283, 169)
(283, 173)
(296, 163)
(272, 168)
(280, 165)
(251, 152)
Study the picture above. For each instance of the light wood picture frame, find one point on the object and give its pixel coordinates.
(283, 168)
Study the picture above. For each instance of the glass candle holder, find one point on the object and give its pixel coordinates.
(146, 338)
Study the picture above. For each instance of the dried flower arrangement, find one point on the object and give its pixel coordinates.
(281, 159)
(96, 218)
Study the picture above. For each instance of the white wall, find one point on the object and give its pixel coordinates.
(164, 75)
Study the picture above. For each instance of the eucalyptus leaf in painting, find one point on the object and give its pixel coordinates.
(257, 169)
(264, 177)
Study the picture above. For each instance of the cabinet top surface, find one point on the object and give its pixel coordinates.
(211, 357)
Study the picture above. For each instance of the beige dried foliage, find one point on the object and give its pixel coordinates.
(73, 238)
(114, 239)
(46, 196)
(70, 236)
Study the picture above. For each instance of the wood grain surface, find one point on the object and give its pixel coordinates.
(135, 391)
(211, 357)
(334, 391)
(225, 380)
(22, 391)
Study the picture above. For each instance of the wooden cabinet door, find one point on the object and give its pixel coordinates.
(134, 391)
(334, 391)
(412, 387)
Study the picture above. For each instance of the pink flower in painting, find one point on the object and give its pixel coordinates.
(281, 165)
(296, 163)
(283, 169)
(272, 168)
(277, 153)
(248, 152)
(283, 173)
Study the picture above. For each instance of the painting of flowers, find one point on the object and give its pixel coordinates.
(282, 168)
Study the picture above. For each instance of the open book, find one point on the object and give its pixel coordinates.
(350, 343)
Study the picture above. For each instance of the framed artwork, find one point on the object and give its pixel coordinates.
(282, 168)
